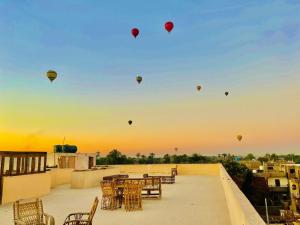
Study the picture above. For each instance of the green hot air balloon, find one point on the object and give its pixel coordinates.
(139, 79)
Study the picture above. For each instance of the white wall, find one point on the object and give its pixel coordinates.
(82, 160)
(283, 181)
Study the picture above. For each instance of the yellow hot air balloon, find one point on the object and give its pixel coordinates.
(198, 87)
(239, 137)
(51, 74)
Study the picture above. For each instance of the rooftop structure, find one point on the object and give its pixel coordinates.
(203, 194)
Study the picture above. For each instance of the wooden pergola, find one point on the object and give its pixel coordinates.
(21, 163)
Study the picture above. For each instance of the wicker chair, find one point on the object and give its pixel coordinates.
(31, 213)
(109, 195)
(78, 218)
(133, 196)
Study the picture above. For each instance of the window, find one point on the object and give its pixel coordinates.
(292, 170)
(270, 167)
(294, 187)
(277, 182)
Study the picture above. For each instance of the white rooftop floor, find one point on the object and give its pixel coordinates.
(192, 200)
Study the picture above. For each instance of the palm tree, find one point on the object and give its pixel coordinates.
(138, 155)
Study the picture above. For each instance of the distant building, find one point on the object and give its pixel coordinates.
(251, 164)
(293, 172)
(77, 161)
(66, 157)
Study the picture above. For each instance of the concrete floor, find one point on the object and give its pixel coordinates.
(193, 200)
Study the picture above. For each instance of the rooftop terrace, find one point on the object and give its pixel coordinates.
(202, 194)
(192, 200)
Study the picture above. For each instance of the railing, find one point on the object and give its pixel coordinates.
(22, 163)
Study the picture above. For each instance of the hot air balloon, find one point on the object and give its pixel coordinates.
(139, 79)
(226, 93)
(175, 149)
(51, 74)
(169, 26)
(129, 122)
(198, 87)
(135, 32)
(239, 137)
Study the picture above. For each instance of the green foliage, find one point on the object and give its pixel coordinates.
(228, 160)
(235, 169)
(116, 157)
(250, 156)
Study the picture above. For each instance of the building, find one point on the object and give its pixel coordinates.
(77, 161)
(293, 172)
(251, 164)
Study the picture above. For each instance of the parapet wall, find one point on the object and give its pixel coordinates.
(60, 176)
(183, 169)
(240, 209)
(25, 187)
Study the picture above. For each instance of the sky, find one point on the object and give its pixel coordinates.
(249, 48)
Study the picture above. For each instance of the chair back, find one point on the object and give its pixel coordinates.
(29, 212)
(132, 187)
(108, 187)
(92, 211)
(174, 172)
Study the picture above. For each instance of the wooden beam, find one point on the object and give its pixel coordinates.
(18, 165)
(39, 163)
(2, 166)
(45, 162)
(11, 165)
(26, 165)
(32, 165)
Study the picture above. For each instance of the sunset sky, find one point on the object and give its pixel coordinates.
(249, 48)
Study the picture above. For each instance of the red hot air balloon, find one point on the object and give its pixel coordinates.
(169, 26)
(135, 32)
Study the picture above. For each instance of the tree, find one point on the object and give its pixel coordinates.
(263, 159)
(116, 157)
(250, 156)
(143, 159)
(274, 157)
(138, 155)
(166, 158)
(150, 159)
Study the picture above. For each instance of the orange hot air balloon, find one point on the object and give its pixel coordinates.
(135, 32)
(51, 74)
(239, 137)
(169, 26)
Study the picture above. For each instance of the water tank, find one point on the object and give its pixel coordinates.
(65, 148)
(69, 148)
(57, 148)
